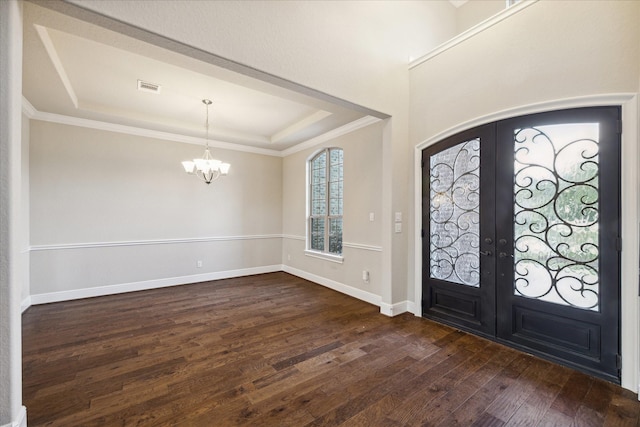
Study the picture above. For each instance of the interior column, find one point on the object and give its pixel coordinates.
(12, 413)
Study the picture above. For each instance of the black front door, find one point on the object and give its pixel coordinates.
(459, 225)
(521, 235)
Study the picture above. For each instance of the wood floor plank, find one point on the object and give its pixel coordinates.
(277, 350)
(519, 392)
(535, 406)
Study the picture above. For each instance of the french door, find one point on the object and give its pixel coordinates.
(522, 237)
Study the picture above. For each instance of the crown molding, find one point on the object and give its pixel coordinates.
(32, 113)
(332, 134)
(486, 24)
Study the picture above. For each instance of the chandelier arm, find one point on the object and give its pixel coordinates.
(207, 168)
(210, 177)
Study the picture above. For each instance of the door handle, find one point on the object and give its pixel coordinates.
(485, 253)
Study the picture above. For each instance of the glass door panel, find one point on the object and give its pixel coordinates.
(455, 214)
(558, 282)
(459, 231)
(556, 209)
(521, 235)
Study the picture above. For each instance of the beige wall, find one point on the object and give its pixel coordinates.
(111, 211)
(121, 200)
(582, 48)
(95, 186)
(354, 50)
(362, 184)
(549, 52)
(362, 151)
(475, 11)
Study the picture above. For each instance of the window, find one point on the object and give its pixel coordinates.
(325, 202)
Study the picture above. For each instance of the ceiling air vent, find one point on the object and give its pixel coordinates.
(148, 87)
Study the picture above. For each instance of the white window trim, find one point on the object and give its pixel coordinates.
(325, 255)
(338, 258)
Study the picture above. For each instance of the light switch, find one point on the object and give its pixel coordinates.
(398, 216)
(372, 216)
(398, 227)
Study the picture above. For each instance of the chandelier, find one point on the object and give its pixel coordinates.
(207, 168)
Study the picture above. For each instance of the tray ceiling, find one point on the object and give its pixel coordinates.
(76, 69)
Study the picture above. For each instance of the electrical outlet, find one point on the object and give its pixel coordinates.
(365, 275)
(199, 264)
(288, 257)
(372, 216)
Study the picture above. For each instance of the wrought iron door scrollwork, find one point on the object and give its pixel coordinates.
(556, 206)
(454, 214)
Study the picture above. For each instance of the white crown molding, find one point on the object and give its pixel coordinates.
(68, 246)
(148, 284)
(488, 23)
(300, 125)
(332, 134)
(32, 113)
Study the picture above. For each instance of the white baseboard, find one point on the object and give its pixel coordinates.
(397, 308)
(386, 309)
(336, 286)
(21, 419)
(414, 308)
(26, 303)
(147, 284)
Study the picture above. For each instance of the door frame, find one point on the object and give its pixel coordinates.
(629, 219)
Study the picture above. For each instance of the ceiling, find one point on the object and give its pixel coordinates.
(76, 69)
(457, 3)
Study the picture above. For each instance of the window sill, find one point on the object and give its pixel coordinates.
(322, 255)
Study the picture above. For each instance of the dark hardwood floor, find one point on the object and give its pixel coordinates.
(276, 350)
